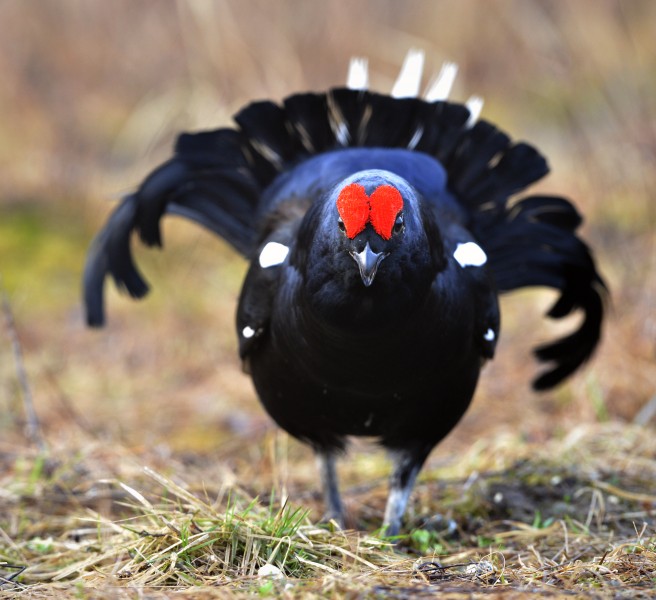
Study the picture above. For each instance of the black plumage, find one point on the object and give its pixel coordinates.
(368, 323)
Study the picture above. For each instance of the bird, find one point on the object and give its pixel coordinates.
(380, 232)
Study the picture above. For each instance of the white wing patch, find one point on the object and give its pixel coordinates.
(248, 332)
(273, 254)
(489, 335)
(470, 254)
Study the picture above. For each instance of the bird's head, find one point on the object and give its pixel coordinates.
(373, 216)
(372, 244)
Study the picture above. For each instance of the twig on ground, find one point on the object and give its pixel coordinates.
(646, 413)
(32, 425)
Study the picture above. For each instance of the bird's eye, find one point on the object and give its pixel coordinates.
(398, 224)
(340, 224)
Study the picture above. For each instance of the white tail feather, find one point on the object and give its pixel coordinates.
(475, 106)
(358, 74)
(407, 86)
(441, 86)
(409, 79)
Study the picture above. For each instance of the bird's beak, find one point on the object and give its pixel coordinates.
(368, 262)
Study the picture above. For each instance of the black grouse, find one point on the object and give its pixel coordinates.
(380, 231)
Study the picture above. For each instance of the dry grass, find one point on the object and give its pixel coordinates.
(569, 518)
(158, 449)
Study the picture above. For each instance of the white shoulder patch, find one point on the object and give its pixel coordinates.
(470, 254)
(489, 335)
(273, 254)
(248, 332)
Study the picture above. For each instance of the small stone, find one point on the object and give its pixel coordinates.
(270, 571)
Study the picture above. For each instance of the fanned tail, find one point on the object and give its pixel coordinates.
(217, 179)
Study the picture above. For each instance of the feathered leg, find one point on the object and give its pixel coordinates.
(407, 464)
(330, 486)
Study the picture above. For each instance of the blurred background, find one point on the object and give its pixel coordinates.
(93, 94)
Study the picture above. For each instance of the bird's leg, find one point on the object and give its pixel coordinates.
(332, 499)
(407, 464)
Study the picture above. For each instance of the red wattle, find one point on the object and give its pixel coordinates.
(386, 203)
(380, 209)
(353, 207)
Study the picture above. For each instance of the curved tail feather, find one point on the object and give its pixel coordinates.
(110, 253)
(534, 243)
(208, 181)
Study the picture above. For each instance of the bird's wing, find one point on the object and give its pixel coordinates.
(278, 239)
